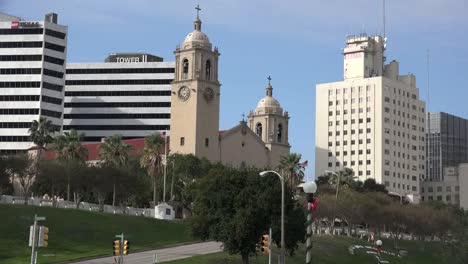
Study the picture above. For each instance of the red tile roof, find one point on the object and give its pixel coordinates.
(93, 149)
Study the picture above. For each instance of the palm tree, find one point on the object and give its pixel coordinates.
(151, 159)
(41, 131)
(292, 167)
(114, 152)
(70, 151)
(346, 177)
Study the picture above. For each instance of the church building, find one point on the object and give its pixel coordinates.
(195, 104)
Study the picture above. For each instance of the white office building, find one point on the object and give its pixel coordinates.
(372, 121)
(128, 94)
(32, 67)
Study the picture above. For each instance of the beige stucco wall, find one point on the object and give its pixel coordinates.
(463, 178)
(238, 146)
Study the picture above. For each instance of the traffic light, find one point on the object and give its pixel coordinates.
(126, 247)
(116, 247)
(265, 244)
(43, 240)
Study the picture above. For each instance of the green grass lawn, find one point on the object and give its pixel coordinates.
(328, 250)
(76, 234)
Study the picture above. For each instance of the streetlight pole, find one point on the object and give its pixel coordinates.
(262, 174)
(336, 196)
(309, 188)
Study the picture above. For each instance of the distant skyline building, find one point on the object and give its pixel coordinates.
(128, 94)
(372, 121)
(32, 67)
(447, 143)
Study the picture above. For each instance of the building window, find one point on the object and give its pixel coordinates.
(185, 66)
(330, 154)
(368, 151)
(368, 162)
(182, 141)
(353, 163)
(439, 188)
(439, 197)
(330, 113)
(330, 103)
(449, 188)
(330, 144)
(208, 70)
(330, 164)
(330, 123)
(430, 189)
(280, 133)
(207, 142)
(368, 172)
(368, 141)
(448, 198)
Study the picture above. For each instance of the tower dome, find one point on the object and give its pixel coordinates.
(269, 103)
(196, 38)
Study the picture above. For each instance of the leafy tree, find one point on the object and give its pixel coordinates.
(151, 159)
(19, 167)
(186, 170)
(51, 179)
(291, 165)
(41, 131)
(114, 152)
(6, 185)
(372, 186)
(70, 151)
(346, 177)
(237, 207)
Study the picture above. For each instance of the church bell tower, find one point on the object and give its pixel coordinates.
(195, 96)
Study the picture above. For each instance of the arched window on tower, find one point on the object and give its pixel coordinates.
(279, 133)
(185, 65)
(208, 70)
(258, 130)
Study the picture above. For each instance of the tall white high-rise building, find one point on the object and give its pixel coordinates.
(32, 67)
(372, 121)
(128, 94)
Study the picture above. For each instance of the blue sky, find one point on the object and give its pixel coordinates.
(297, 42)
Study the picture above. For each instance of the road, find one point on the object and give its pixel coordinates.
(165, 254)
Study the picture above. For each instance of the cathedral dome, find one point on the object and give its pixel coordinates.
(196, 38)
(268, 101)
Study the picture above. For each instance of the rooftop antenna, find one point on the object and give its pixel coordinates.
(383, 17)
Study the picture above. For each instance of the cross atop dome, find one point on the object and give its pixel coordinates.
(198, 10)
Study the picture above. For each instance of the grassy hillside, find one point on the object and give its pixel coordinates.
(328, 250)
(75, 234)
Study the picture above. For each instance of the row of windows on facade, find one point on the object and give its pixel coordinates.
(18, 71)
(353, 152)
(46, 58)
(353, 142)
(24, 125)
(118, 82)
(118, 93)
(398, 133)
(117, 116)
(99, 139)
(402, 114)
(346, 90)
(400, 103)
(404, 166)
(353, 111)
(368, 88)
(32, 31)
(185, 69)
(118, 104)
(116, 127)
(279, 131)
(402, 186)
(45, 85)
(403, 145)
(448, 198)
(439, 189)
(345, 132)
(360, 173)
(353, 101)
(120, 70)
(32, 44)
(29, 111)
(401, 124)
(14, 98)
(402, 175)
(353, 121)
(401, 155)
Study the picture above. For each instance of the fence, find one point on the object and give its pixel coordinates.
(145, 212)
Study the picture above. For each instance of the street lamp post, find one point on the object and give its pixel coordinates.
(336, 196)
(309, 188)
(262, 174)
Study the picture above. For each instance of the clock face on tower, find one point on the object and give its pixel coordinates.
(208, 94)
(184, 93)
